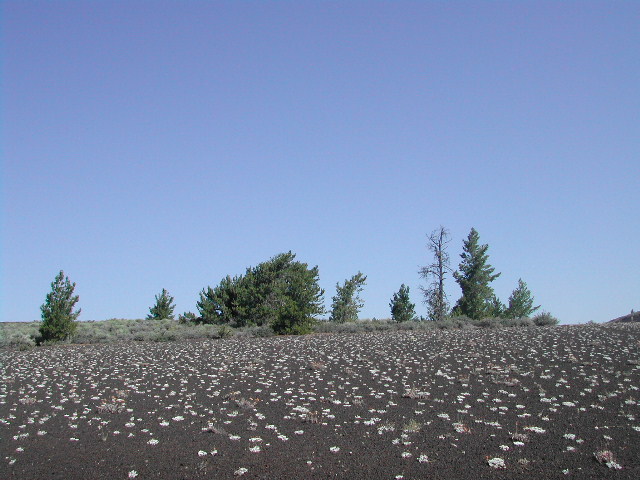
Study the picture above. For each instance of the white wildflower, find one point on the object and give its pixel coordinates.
(496, 462)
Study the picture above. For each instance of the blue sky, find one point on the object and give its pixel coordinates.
(150, 145)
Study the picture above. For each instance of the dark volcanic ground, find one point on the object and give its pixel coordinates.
(509, 403)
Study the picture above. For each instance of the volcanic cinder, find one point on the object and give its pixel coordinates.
(552, 402)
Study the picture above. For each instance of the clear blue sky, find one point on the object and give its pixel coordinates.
(150, 145)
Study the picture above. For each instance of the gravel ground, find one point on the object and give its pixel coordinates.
(553, 402)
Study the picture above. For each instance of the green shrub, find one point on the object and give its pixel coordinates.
(21, 341)
(225, 331)
(544, 319)
(257, 332)
(519, 322)
(187, 317)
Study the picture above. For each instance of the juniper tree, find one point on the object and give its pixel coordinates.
(163, 307)
(435, 273)
(347, 302)
(474, 277)
(402, 309)
(520, 302)
(58, 317)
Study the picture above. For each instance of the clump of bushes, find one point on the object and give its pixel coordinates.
(21, 341)
(544, 319)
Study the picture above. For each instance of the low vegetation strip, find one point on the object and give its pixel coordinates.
(25, 335)
(458, 403)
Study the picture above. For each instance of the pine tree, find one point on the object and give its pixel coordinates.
(520, 302)
(58, 317)
(347, 302)
(495, 308)
(282, 293)
(434, 295)
(163, 308)
(402, 310)
(474, 277)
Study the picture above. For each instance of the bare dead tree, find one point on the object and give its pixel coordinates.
(435, 298)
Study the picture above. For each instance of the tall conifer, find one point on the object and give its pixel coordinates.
(58, 317)
(474, 277)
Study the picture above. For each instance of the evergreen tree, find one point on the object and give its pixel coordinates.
(474, 277)
(163, 308)
(282, 293)
(495, 308)
(402, 309)
(347, 302)
(520, 302)
(434, 295)
(58, 317)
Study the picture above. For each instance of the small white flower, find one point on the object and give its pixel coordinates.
(234, 437)
(178, 418)
(299, 432)
(153, 441)
(423, 458)
(164, 423)
(335, 449)
(504, 448)
(255, 449)
(405, 455)
(133, 474)
(241, 471)
(202, 453)
(496, 462)
(535, 429)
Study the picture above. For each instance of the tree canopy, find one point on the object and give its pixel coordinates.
(163, 308)
(474, 276)
(58, 316)
(281, 292)
(347, 302)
